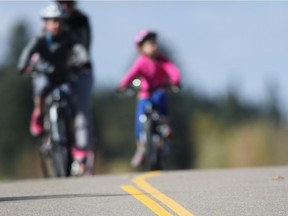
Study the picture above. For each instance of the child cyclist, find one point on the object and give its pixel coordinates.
(155, 72)
(50, 52)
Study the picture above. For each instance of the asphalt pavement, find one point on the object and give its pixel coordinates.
(220, 192)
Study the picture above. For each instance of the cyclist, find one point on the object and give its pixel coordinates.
(78, 23)
(50, 53)
(155, 72)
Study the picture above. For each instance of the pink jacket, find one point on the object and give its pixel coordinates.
(153, 73)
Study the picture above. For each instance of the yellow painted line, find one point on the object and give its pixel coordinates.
(169, 202)
(147, 201)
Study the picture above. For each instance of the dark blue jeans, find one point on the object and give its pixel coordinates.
(159, 99)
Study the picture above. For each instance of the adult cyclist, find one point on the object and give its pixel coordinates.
(79, 25)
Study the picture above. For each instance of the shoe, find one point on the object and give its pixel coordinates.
(138, 157)
(79, 154)
(77, 168)
(36, 124)
(78, 165)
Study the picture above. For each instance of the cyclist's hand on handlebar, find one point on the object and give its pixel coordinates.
(44, 67)
(39, 65)
(31, 64)
(125, 91)
(120, 89)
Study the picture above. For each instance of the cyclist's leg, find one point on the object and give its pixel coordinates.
(82, 92)
(140, 110)
(41, 87)
(160, 100)
(140, 151)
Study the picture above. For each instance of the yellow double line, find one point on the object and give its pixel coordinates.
(150, 203)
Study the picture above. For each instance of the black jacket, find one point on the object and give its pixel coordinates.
(57, 52)
(79, 24)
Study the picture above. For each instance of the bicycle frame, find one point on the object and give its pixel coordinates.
(152, 138)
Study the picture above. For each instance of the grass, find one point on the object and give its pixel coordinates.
(252, 143)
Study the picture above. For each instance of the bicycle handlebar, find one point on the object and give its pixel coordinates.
(132, 90)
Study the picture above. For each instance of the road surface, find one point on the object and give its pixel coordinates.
(247, 191)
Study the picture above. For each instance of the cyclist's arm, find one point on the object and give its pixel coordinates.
(172, 72)
(28, 51)
(133, 73)
(79, 55)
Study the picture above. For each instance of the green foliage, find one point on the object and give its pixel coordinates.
(18, 39)
(114, 122)
(15, 94)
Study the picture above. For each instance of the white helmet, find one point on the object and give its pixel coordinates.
(53, 10)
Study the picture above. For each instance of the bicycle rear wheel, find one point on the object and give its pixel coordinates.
(156, 162)
(153, 159)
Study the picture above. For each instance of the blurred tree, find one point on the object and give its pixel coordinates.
(15, 95)
(272, 105)
(20, 34)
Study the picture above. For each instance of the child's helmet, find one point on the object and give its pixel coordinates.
(144, 35)
(53, 10)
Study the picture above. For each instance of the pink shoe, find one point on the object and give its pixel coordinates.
(79, 154)
(36, 126)
(78, 166)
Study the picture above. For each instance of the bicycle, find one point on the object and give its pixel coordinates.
(153, 130)
(57, 137)
(55, 150)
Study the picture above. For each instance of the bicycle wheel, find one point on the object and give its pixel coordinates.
(55, 153)
(148, 142)
(156, 162)
(47, 163)
(61, 150)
